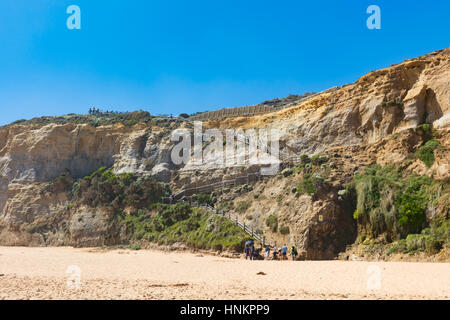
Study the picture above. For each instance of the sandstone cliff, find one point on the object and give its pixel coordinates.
(373, 120)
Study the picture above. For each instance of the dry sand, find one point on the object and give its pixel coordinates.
(40, 273)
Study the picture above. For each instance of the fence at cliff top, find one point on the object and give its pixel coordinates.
(232, 112)
(249, 111)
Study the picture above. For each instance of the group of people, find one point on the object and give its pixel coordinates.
(277, 253)
(249, 250)
(280, 253)
(98, 112)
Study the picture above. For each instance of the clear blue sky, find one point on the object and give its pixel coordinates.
(169, 56)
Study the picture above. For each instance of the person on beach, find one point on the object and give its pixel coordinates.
(275, 252)
(284, 252)
(247, 251)
(251, 251)
(294, 253)
(267, 253)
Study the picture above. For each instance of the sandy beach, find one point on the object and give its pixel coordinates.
(68, 273)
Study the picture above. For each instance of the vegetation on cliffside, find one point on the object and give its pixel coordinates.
(100, 119)
(104, 188)
(179, 223)
(405, 209)
(136, 204)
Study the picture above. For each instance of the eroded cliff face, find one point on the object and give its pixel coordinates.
(415, 91)
(33, 156)
(321, 225)
(32, 153)
(363, 117)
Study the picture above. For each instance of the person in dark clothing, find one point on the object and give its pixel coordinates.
(247, 252)
(294, 253)
(267, 252)
(275, 253)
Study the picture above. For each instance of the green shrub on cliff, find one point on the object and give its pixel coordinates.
(431, 240)
(151, 220)
(412, 203)
(272, 223)
(181, 224)
(284, 230)
(306, 186)
(388, 202)
(242, 206)
(207, 198)
(426, 152)
(104, 188)
(310, 183)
